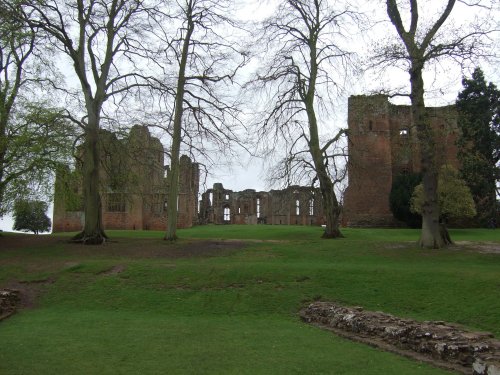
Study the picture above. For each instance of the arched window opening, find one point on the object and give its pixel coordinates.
(297, 207)
(227, 214)
(211, 198)
(258, 207)
(311, 207)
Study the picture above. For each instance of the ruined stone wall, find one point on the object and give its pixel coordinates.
(295, 205)
(443, 344)
(382, 144)
(133, 186)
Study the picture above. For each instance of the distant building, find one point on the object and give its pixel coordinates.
(133, 186)
(296, 205)
(382, 144)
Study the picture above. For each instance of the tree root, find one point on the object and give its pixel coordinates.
(90, 239)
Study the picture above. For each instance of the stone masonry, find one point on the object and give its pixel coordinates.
(133, 186)
(443, 344)
(382, 144)
(296, 205)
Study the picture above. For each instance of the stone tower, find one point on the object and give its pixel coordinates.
(382, 144)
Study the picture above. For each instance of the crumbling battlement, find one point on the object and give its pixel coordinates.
(443, 344)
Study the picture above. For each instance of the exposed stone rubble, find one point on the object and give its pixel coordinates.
(443, 344)
(9, 299)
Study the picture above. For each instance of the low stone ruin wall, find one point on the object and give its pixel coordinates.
(442, 344)
(9, 299)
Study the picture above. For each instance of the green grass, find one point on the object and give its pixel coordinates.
(237, 313)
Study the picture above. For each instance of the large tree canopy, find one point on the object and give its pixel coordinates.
(30, 216)
(34, 137)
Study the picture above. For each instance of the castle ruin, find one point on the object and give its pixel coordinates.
(134, 181)
(382, 144)
(295, 205)
(134, 186)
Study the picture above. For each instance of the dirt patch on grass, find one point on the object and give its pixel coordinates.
(157, 248)
(125, 247)
(480, 247)
(29, 292)
(12, 241)
(20, 250)
(115, 270)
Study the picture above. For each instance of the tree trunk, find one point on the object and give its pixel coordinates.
(330, 203)
(93, 233)
(3, 151)
(332, 210)
(173, 179)
(432, 235)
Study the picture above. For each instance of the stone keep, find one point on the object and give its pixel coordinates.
(382, 144)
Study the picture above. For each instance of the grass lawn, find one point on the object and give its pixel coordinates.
(142, 305)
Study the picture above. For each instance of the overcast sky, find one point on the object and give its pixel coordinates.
(445, 82)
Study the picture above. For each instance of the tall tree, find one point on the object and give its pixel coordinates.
(478, 106)
(102, 41)
(304, 40)
(33, 135)
(421, 43)
(31, 216)
(206, 61)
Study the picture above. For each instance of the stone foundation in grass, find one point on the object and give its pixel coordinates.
(9, 299)
(442, 344)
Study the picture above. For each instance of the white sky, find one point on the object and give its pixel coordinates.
(248, 173)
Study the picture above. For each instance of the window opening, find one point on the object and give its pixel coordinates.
(311, 207)
(227, 214)
(258, 208)
(116, 202)
(297, 207)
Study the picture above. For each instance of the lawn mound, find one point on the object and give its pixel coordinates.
(442, 344)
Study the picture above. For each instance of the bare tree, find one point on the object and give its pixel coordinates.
(103, 42)
(420, 44)
(206, 62)
(305, 40)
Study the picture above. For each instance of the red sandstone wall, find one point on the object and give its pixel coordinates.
(378, 151)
